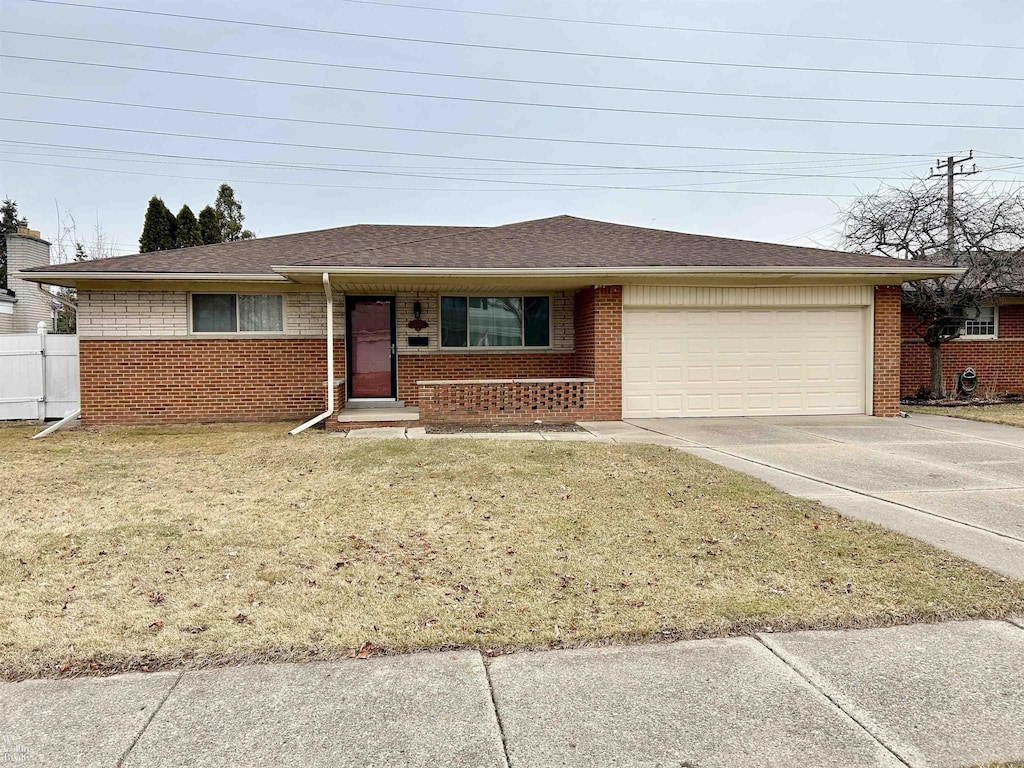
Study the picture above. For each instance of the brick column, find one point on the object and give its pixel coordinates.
(598, 327)
(887, 351)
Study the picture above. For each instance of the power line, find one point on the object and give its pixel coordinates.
(484, 78)
(267, 142)
(701, 30)
(595, 142)
(553, 188)
(280, 143)
(506, 102)
(867, 163)
(774, 175)
(519, 49)
(213, 162)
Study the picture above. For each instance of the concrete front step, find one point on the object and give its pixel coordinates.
(366, 418)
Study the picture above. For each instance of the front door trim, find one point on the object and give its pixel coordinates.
(349, 301)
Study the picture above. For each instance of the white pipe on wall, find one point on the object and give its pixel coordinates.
(330, 361)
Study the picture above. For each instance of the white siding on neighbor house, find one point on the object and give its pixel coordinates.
(790, 296)
(164, 314)
(562, 334)
(33, 306)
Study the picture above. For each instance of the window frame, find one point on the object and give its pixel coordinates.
(231, 334)
(981, 336)
(522, 297)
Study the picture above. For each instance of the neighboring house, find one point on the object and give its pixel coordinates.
(991, 342)
(559, 319)
(23, 305)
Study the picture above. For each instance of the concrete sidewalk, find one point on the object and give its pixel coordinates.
(926, 695)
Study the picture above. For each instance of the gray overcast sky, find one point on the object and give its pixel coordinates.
(292, 202)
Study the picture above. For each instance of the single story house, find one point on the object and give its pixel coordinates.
(558, 319)
(991, 342)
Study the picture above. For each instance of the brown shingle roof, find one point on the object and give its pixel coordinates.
(556, 242)
(257, 256)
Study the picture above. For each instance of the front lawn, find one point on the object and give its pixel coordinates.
(1012, 414)
(183, 547)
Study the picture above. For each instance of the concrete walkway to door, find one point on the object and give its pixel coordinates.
(956, 484)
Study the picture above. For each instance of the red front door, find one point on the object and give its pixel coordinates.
(371, 347)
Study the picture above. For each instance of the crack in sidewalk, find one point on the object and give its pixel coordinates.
(910, 760)
(156, 710)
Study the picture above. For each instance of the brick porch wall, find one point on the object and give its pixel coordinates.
(887, 351)
(203, 380)
(477, 365)
(598, 322)
(999, 363)
(507, 402)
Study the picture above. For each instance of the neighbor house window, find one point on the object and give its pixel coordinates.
(979, 324)
(495, 321)
(237, 313)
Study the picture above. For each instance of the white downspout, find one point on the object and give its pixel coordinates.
(330, 361)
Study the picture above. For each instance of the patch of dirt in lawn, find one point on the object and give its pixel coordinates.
(454, 429)
(964, 402)
(172, 548)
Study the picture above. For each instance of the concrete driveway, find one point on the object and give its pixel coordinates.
(957, 484)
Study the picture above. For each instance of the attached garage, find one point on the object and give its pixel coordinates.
(690, 351)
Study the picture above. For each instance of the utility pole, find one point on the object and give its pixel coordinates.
(950, 169)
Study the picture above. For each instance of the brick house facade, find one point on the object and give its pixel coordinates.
(145, 359)
(999, 361)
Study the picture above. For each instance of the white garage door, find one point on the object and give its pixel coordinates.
(739, 362)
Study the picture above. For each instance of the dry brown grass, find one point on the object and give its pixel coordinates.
(157, 548)
(1012, 414)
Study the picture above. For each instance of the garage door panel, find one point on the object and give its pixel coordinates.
(732, 362)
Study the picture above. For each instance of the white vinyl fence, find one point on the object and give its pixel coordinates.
(38, 375)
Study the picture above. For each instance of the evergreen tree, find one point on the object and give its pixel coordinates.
(209, 226)
(230, 216)
(9, 222)
(158, 229)
(186, 229)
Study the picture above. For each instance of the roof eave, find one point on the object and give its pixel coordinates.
(606, 272)
(70, 278)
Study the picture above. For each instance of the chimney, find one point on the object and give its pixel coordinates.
(26, 249)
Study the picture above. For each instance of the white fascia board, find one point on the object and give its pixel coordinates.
(392, 272)
(220, 277)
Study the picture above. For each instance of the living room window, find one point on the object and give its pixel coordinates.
(495, 321)
(237, 313)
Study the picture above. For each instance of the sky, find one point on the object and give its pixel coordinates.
(366, 156)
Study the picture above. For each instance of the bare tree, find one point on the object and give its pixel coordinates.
(987, 238)
(72, 245)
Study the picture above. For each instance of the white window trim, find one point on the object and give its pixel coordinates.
(982, 336)
(234, 334)
(520, 348)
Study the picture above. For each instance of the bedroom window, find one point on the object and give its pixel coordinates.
(237, 313)
(979, 324)
(495, 321)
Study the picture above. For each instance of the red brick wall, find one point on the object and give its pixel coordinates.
(196, 380)
(509, 403)
(887, 351)
(999, 363)
(478, 365)
(598, 324)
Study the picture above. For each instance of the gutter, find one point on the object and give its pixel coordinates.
(59, 299)
(605, 271)
(330, 361)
